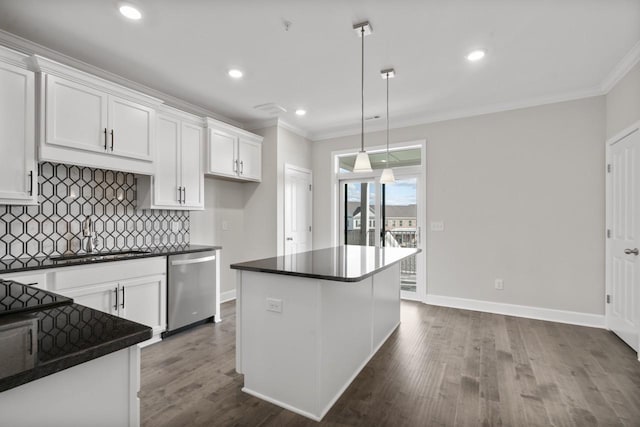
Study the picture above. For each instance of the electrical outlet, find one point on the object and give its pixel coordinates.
(437, 226)
(499, 283)
(274, 304)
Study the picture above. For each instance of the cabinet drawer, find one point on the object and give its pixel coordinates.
(73, 277)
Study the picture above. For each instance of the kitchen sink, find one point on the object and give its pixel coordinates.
(98, 256)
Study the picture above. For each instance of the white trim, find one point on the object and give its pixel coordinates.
(539, 313)
(227, 296)
(31, 48)
(281, 404)
(423, 119)
(622, 68)
(263, 124)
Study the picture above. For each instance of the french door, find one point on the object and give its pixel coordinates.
(387, 215)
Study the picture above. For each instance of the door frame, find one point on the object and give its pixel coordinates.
(608, 214)
(421, 171)
(292, 167)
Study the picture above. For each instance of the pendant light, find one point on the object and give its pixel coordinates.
(387, 174)
(362, 163)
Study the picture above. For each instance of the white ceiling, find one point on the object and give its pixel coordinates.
(537, 50)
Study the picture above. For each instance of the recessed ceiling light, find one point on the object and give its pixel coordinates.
(130, 12)
(301, 112)
(476, 55)
(235, 73)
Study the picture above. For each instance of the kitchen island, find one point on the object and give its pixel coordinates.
(309, 322)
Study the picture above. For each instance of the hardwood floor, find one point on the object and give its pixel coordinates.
(442, 367)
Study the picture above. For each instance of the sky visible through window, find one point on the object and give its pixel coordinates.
(401, 193)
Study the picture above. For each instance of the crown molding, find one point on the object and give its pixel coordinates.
(622, 68)
(30, 48)
(262, 124)
(416, 120)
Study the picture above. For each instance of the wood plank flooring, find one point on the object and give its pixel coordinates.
(442, 367)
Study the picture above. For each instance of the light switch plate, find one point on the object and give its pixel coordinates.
(437, 225)
(225, 225)
(499, 284)
(274, 304)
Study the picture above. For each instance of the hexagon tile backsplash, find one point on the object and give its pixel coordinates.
(68, 194)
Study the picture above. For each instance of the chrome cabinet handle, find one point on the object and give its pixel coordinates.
(30, 341)
(184, 195)
(235, 165)
(105, 139)
(115, 307)
(180, 195)
(112, 139)
(241, 167)
(31, 183)
(289, 238)
(633, 251)
(122, 298)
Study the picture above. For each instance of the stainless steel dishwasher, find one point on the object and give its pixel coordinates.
(191, 290)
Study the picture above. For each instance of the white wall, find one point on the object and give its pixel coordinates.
(295, 150)
(522, 197)
(224, 202)
(623, 102)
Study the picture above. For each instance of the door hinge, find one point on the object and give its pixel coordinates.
(309, 187)
(608, 233)
(309, 228)
(608, 299)
(609, 168)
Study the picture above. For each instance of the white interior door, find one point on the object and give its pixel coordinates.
(624, 210)
(297, 210)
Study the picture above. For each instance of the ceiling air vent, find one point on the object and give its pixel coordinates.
(271, 109)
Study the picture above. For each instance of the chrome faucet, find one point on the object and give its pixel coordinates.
(89, 234)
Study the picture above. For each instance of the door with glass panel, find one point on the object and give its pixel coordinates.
(387, 215)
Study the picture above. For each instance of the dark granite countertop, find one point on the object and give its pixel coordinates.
(13, 265)
(348, 263)
(18, 298)
(66, 336)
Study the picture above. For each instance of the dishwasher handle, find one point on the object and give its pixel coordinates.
(193, 261)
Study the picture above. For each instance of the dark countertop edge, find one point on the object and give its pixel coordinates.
(168, 252)
(57, 365)
(319, 276)
(40, 307)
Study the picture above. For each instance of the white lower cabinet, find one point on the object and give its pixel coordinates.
(135, 290)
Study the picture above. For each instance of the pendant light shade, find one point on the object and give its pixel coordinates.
(387, 174)
(362, 164)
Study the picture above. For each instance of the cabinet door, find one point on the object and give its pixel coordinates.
(250, 156)
(104, 297)
(167, 174)
(76, 115)
(143, 300)
(191, 166)
(222, 153)
(130, 129)
(18, 173)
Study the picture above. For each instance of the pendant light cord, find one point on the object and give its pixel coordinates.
(387, 119)
(362, 94)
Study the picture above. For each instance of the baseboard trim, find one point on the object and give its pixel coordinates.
(281, 404)
(552, 315)
(227, 296)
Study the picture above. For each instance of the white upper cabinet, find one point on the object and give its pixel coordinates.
(89, 121)
(178, 181)
(18, 169)
(222, 154)
(131, 129)
(233, 153)
(76, 115)
(250, 159)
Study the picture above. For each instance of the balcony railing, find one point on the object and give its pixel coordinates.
(394, 238)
